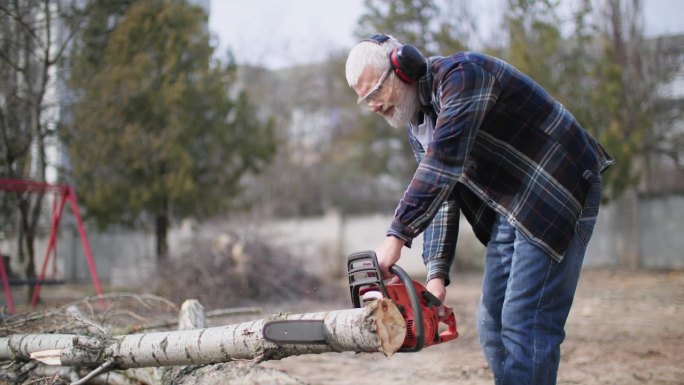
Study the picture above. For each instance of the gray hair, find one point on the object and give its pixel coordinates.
(368, 54)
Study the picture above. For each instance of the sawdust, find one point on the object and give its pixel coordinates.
(626, 327)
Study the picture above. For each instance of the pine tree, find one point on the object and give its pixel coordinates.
(159, 131)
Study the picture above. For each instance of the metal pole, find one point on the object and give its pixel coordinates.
(51, 245)
(6, 286)
(71, 196)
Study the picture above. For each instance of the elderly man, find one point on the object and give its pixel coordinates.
(492, 144)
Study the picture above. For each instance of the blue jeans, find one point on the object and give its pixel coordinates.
(526, 298)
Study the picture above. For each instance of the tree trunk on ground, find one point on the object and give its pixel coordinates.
(192, 316)
(379, 327)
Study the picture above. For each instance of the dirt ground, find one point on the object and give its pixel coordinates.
(625, 327)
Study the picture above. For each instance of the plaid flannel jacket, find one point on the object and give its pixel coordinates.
(501, 144)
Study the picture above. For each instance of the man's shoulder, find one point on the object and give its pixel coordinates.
(443, 65)
(463, 57)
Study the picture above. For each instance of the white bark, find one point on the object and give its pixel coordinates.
(192, 316)
(379, 327)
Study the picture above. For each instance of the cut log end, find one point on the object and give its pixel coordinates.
(192, 315)
(389, 325)
(48, 357)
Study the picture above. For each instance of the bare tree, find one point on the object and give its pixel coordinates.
(34, 36)
(646, 113)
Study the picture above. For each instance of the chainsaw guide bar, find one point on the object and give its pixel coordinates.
(295, 332)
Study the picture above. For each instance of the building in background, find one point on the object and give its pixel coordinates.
(663, 172)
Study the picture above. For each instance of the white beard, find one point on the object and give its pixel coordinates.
(405, 109)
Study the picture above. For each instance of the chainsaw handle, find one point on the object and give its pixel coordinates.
(415, 307)
(364, 272)
(451, 333)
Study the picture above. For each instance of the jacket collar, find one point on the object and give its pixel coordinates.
(425, 84)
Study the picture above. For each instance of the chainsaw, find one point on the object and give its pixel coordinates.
(421, 310)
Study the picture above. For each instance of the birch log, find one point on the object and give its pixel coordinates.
(192, 316)
(378, 327)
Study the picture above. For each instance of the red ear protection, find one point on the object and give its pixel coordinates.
(406, 61)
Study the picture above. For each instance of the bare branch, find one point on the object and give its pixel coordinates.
(94, 373)
(20, 21)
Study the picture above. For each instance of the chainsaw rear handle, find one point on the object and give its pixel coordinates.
(451, 333)
(449, 319)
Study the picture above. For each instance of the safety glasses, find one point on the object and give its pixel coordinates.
(373, 93)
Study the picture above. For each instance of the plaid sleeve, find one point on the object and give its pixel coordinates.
(439, 241)
(440, 237)
(418, 153)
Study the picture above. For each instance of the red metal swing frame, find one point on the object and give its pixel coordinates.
(65, 193)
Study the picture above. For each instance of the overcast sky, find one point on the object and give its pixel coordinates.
(279, 33)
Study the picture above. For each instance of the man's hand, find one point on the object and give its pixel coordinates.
(388, 254)
(437, 288)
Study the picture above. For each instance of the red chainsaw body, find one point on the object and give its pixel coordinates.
(430, 311)
(425, 315)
